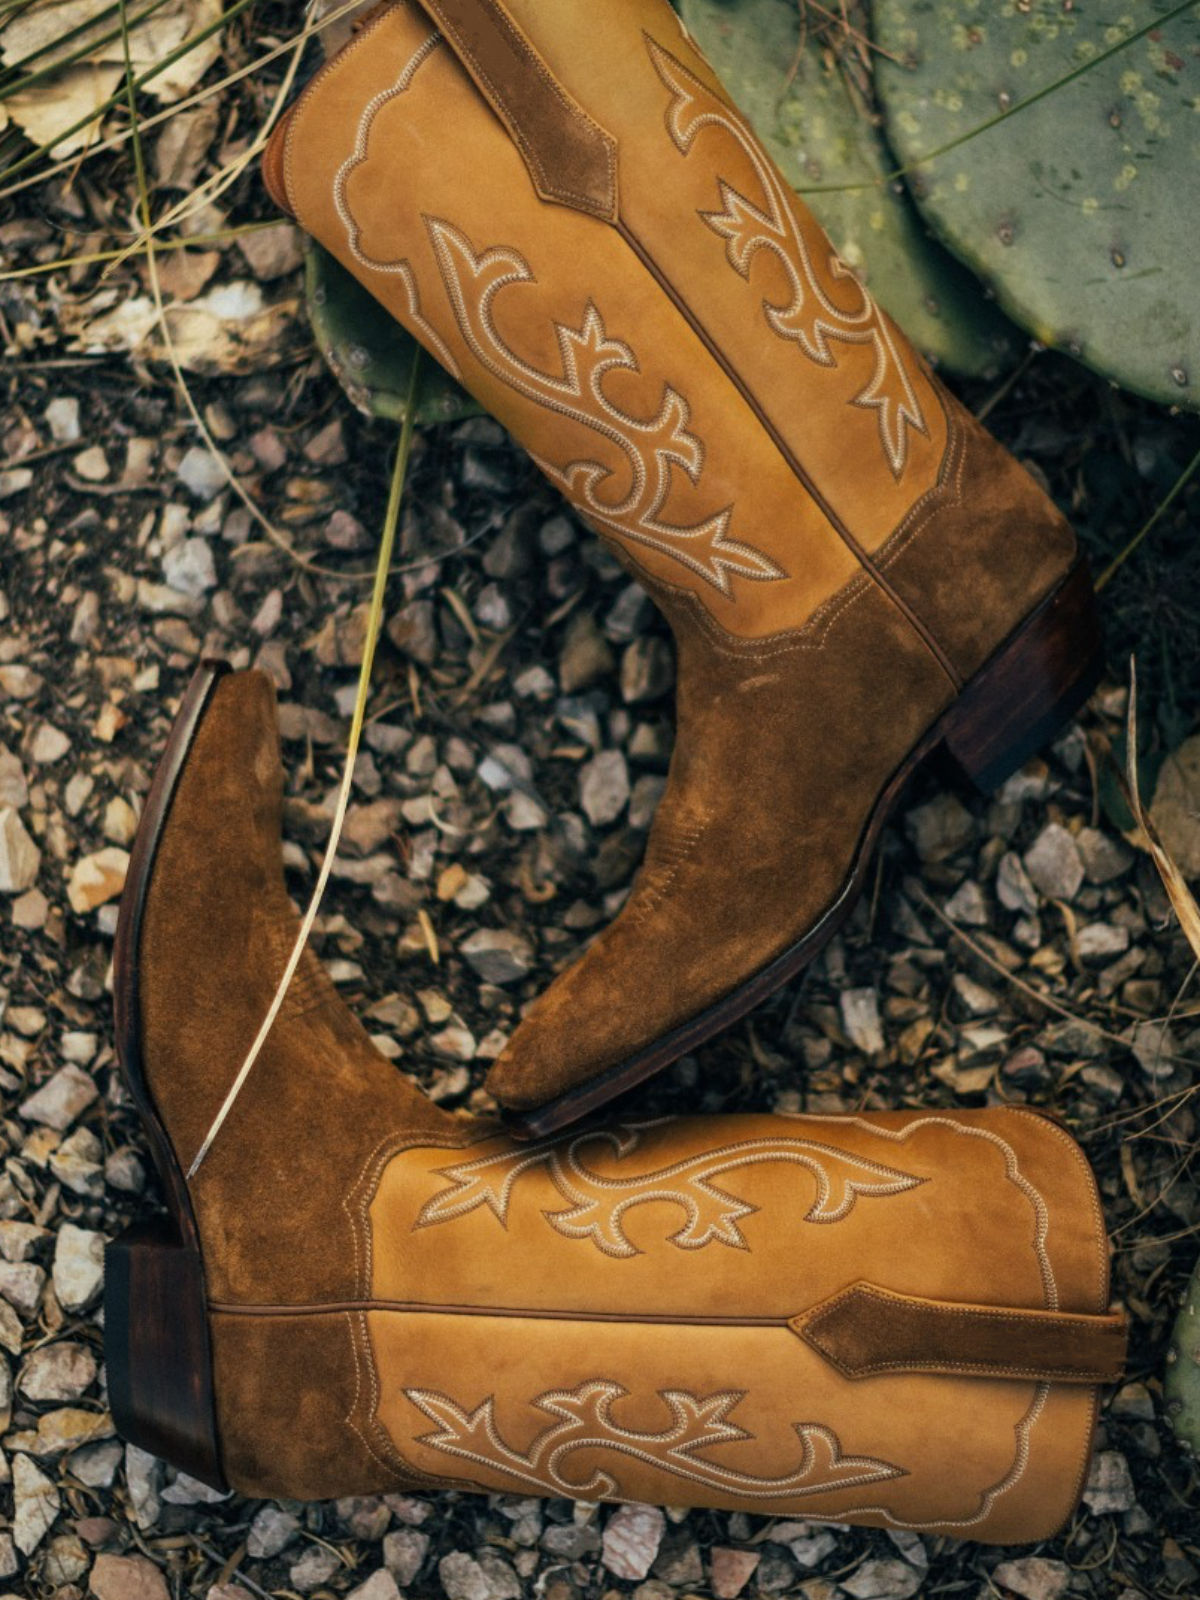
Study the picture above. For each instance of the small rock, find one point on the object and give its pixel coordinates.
(1098, 941)
(62, 418)
(30, 910)
(1154, 1048)
(968, 904)
(60, 1099)
(127, 1578)
(314, 1568)
(36, 1504)
(498, 955)
(271, 1531)
(731, 1570)
(1013, 888)
(1034, 1578)
(1104, 858)
(96, 1464)
(97, 879)
(381, 1585)
(404, 1552)
(189, 568)
(631, 1540)
(860, 1019)
(20, 858)
(1110, 1485)
(203, 475)
(78, 1266)
(63, 1371)
(462, 1577)
(21, 1284)
(91, 465)
(586, 654)
(48, 745)
(604, 787)
(940, 828)
(271, 252)
(143, 1477)
(647, 670)
(883, 1580)
(1054, 864)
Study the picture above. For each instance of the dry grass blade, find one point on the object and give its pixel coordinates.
(1183, 901)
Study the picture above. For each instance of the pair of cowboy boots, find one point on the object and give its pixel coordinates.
(899, 1319)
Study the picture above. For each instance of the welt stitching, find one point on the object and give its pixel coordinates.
(1040, 1319)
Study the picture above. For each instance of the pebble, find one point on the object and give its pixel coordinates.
(381, 1585)
(62, 1371)
(20, 682)
(731, 1570)
(604, 787)
(1099, 941)
(14, 790)
(1154, 1048)
(498, 955)
(883, 1580)
(631, 1541)
(586, 654)
(1110, 1485)
(96, 1464)
(62, 418)
(20, 858)
(940, 828)
(201, 474)
(1054, 864)
(647, 670)
(48, 745)
(78, 1272)
(127, 1578)
(271, 1531)
(462, 1578)
(91, 465)
(860, 1019)
(314, 1568)
(968, 905)
(97, 879)
(60, 1099)
(143, 1478)
(1034, 1578)
(30, 910)
(21, 1284)
(189, 569)
(404, 1552)
(14, 481)
(1104, 858)
(36, 1503)
(1013, 888)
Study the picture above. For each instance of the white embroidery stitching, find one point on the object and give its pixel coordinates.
(810, 319)
(399, 269)
(597, 1204)
(585, 1422)
(650, 446)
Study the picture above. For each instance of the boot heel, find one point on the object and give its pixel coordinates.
(159, 1364)
(1033, 686)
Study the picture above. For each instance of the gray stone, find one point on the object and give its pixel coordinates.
(940, 828)
(731, 1570)
(498, 955)
(1034, 1578)
(381, 1585)
(631, 1539)
(1100, 941)
(143, 1478)
(1110, 1485)
(60, 1099)
(647, 670)
(78, 1266)
(201, 474)
(885, 1579)
(860, 1019)
(404, 1552)
(96, 1464)
(1054, 864)
(586, 654)
(604, 787)
(20, 858)
(968, 904)
(21, 1284)
(189, 569)
(1104, 858)
(35, 1502)
(127, 1578)
(462, 1577)
(270, 1533)
(1013, 888)
(314, 1568)
(62, 418)
(62, 1371)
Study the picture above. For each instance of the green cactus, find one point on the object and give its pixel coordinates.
(807, 114)
(1182, 1384)
(1078, 207)
(368, 352)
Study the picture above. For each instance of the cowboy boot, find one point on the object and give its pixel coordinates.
(898, 1319)
(563, 206)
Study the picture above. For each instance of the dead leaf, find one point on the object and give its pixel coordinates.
(1175, 809)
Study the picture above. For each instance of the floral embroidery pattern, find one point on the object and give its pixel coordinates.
(597, 1204)
(583, 1420)
(809, 318)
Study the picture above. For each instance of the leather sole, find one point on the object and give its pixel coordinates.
(1014, 705)
(158, 1357)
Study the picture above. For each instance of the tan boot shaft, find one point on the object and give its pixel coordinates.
(898, 1319)
(562, 204)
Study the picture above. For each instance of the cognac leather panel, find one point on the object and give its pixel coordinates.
(751, 1222)
(854, 402)
(867, 1330)
(551, 321)
(570, 157)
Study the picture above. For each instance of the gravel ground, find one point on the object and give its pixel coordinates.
(1010, 949)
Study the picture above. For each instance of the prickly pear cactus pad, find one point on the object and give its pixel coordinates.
(1182, 1385)
(370, 354)
(821, 131)
(1082, 209)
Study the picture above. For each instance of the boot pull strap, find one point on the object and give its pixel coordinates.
(571, 159)
(865, 1331)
